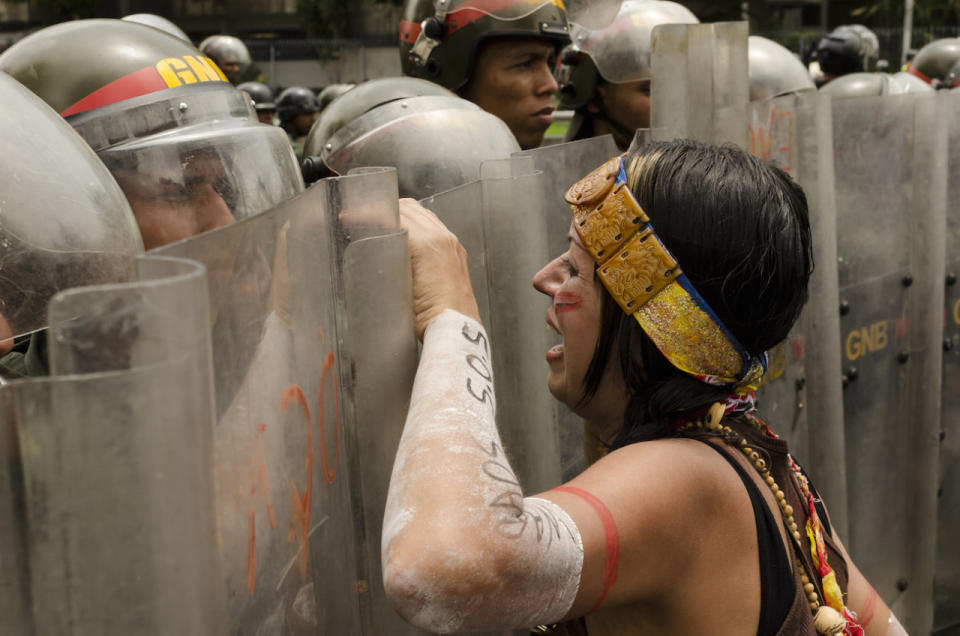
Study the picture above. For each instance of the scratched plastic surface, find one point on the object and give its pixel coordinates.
(887, 171)
(563, 165)
(118, 531)
(700, 87)
(280, 492)
(947, 580)
(501, 221)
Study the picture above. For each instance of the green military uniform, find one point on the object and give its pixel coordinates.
(27, 359)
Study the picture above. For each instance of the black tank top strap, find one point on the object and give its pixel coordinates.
(777, 585)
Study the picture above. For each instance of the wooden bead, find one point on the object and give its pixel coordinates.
(809, 588)
(788, 510)
(803, 577)
(793, 526)
(796, 535)
(814, 606)
(779, 495)
(769, 480)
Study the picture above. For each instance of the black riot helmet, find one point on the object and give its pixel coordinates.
(296, 100)
(850, 48)
(261, 94)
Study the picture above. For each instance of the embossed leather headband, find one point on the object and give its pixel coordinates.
(643, 277)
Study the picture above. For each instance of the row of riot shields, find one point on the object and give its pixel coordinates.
(876, 329)
(212, 450)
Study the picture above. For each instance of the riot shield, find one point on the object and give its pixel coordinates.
(801, 395)
(563, 165)
(700, 87)
(946, 593)
(501, 222)
(890, 166)
(309, 319)
(111, 471)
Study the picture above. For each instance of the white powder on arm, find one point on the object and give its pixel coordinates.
(461, 547)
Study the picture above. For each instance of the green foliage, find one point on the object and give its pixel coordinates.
(926, 13)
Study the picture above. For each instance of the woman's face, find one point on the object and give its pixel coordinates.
(576, 315)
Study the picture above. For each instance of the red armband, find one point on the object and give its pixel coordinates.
(612, 539)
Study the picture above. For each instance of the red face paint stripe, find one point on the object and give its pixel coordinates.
(146, 80)
(409, 31)
(565, 301)
(612, 539)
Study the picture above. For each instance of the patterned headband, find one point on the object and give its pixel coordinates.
(647, 282)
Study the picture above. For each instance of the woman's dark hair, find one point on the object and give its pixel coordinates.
(739, 230)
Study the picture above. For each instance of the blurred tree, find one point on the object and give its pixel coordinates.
(72, 9)
(926, 13)
(324, 18)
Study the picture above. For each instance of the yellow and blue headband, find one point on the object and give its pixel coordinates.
(643, 277)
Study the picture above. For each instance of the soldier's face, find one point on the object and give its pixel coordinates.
(627, 103)
(169, 208)
(230, 65)
(512, 79)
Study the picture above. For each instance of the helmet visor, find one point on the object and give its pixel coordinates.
(621, 50)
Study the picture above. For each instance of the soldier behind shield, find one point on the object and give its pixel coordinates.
(497, 55)
(229, 53)
(605, 73)
(182, 143)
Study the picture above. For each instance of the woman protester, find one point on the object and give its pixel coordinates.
(686, 262)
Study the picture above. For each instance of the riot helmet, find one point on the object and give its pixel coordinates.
(933, 61)
(297, 109)
(616, 53)
(435, 139)
(850, 48)
(263, 101)
(183, 144)
(158, 22)
(774, 70)
(439, 38)
(63, 220)
(330, 93)
(874, 84)
(229, 53)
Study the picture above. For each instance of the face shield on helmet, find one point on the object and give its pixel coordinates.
(158, 22)
(184, 145)
(436, 143)
(774, 70)
(63, 220)
(209, 165)
(616, 53)
(439, 38)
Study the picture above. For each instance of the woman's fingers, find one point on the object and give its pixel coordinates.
(441, 277)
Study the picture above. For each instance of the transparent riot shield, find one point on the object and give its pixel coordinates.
(109, 462)
(946, 592)
(890, 167)
(700, 88)
(801, 395)
(561, 166)
(312, 316)
(500, 221)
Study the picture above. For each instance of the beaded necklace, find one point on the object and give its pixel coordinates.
(832, 617)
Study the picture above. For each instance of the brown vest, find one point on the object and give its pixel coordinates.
(624, 620)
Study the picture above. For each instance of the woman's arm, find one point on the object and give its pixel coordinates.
(872, 613)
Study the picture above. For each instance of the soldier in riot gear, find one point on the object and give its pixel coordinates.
(875, 84)
(297, 109)
(183, 144)
(63, 223)
(435, 139)
(158, 22)
(851, 48)
(605, 75)
(933, 62)
(498, 58)
(774, 70)
(229, 53)
(263, 100)
(330, 93)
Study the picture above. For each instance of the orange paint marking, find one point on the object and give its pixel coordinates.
(762, 137)
(301, 508)
(261, 480)
(330, 474)
(252, 558)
